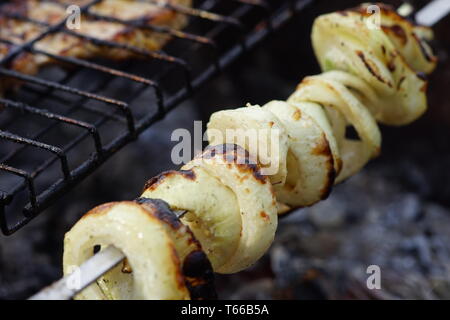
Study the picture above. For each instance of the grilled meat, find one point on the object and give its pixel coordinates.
(24, 20)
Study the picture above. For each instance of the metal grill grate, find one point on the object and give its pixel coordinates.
(62, 123)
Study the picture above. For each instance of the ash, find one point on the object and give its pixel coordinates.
(323, 252)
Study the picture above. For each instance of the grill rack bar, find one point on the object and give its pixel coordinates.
(180, 34)
(38, 202)
(50, 29)
(73, 108)
(159, 55)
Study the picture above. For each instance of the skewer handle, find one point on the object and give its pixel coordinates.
(433, 12)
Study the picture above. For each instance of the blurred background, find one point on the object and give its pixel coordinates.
(394, 214)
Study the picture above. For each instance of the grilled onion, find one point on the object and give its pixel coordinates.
(387, 57)
(157, 248)
(311, 162)
(235, 169)
(256, 130)
(213, 211)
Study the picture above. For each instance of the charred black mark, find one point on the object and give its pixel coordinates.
(264, 215)
(323, 148)
(188, 174)
(233, 153)
(397, 31)
(423, 76)
(399, 84)
(424, 87)
(424, 51)
(224, 149)
(199, 276)
(161, 210)
(196, 264)
(371, 68)
(339, 163)
(197, 273)
(155, 181)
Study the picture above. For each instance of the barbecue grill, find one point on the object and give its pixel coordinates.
(59, 126)
(66, 121)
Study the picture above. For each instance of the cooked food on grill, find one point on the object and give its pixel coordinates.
(216, 226)
(153, 239)
(390, 59)
(24, 20)
(369, 74)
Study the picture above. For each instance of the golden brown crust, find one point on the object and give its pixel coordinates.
(155, 181)
(231, 153)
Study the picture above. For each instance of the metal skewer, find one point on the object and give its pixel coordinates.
(110, 257)
(88, 272)
(433, 12)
